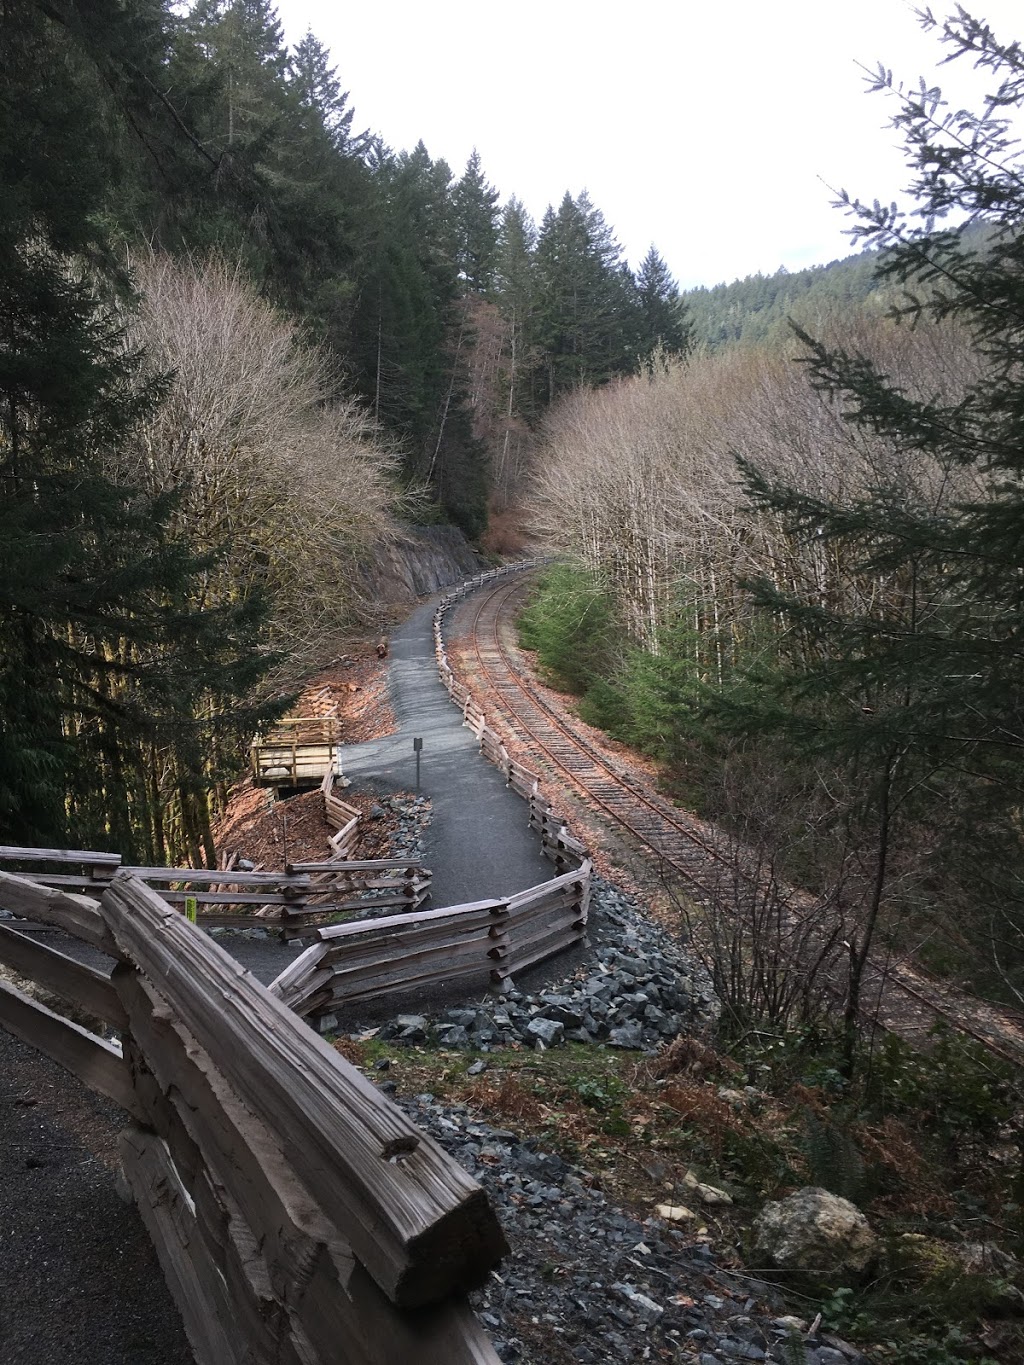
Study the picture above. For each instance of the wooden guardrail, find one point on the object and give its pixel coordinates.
(470, 947)
(298, 1214)
(342, 818)
(302, 895)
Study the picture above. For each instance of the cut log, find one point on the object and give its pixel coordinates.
(297, 972)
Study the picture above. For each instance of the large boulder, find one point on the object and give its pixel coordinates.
(816, 1233)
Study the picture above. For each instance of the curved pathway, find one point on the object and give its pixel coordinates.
(479, 843)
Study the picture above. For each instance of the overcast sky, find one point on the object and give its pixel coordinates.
(712, 128)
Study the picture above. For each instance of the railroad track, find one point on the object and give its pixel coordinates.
(903, 998)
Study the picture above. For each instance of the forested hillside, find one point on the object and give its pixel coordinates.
(795, 562)
(759, 308)
(395, 261)
(240, 337)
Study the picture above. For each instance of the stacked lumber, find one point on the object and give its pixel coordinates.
(94, 1059)
(298, 1215)
(557, 843)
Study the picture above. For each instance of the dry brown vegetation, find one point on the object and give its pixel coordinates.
(285, 481)
(639, 480)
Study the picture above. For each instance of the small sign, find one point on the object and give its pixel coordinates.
(191, 906)
(417, 745)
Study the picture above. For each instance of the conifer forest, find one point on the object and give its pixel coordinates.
(243, 340)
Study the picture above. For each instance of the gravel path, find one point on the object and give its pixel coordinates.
(479, 843)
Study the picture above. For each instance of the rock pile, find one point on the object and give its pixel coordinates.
(586, 1283)
(637, 989)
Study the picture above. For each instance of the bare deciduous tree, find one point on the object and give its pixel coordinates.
(285, 481)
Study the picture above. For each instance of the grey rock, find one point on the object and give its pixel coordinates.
(815, 1232)
(641, 1305)
(548, 1032)
(626, 1036)
(467, 1018)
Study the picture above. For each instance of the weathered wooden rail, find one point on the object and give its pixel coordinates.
(301, 895)
(299, 1216)
(342, 818)
(465, 947)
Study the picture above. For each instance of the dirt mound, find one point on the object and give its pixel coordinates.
(272, 833)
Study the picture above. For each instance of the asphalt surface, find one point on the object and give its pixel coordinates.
(479, 843)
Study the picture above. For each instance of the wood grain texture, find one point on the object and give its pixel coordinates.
(191, 1276)
(97, 1063)
(76, 982)
(77, 915)
(421, 1227)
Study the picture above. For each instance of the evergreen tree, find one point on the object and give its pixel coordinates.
(665, 324)
(476, 216)
(98, 643)
(587, 311)
(915, 685)
(316, 84)
(515, 284)
(277, 180)
(243, 43)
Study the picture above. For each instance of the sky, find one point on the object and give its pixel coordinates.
(718, 130)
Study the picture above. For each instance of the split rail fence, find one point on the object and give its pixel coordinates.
(299, 1216)
(477, 945)
(295, 899)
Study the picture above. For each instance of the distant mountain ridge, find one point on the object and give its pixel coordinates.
(758, 308)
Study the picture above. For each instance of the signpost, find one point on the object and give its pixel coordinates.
(417, 745)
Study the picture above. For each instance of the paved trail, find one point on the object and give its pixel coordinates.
(479, 843)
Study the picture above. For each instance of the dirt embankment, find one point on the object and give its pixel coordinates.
(272, 833)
